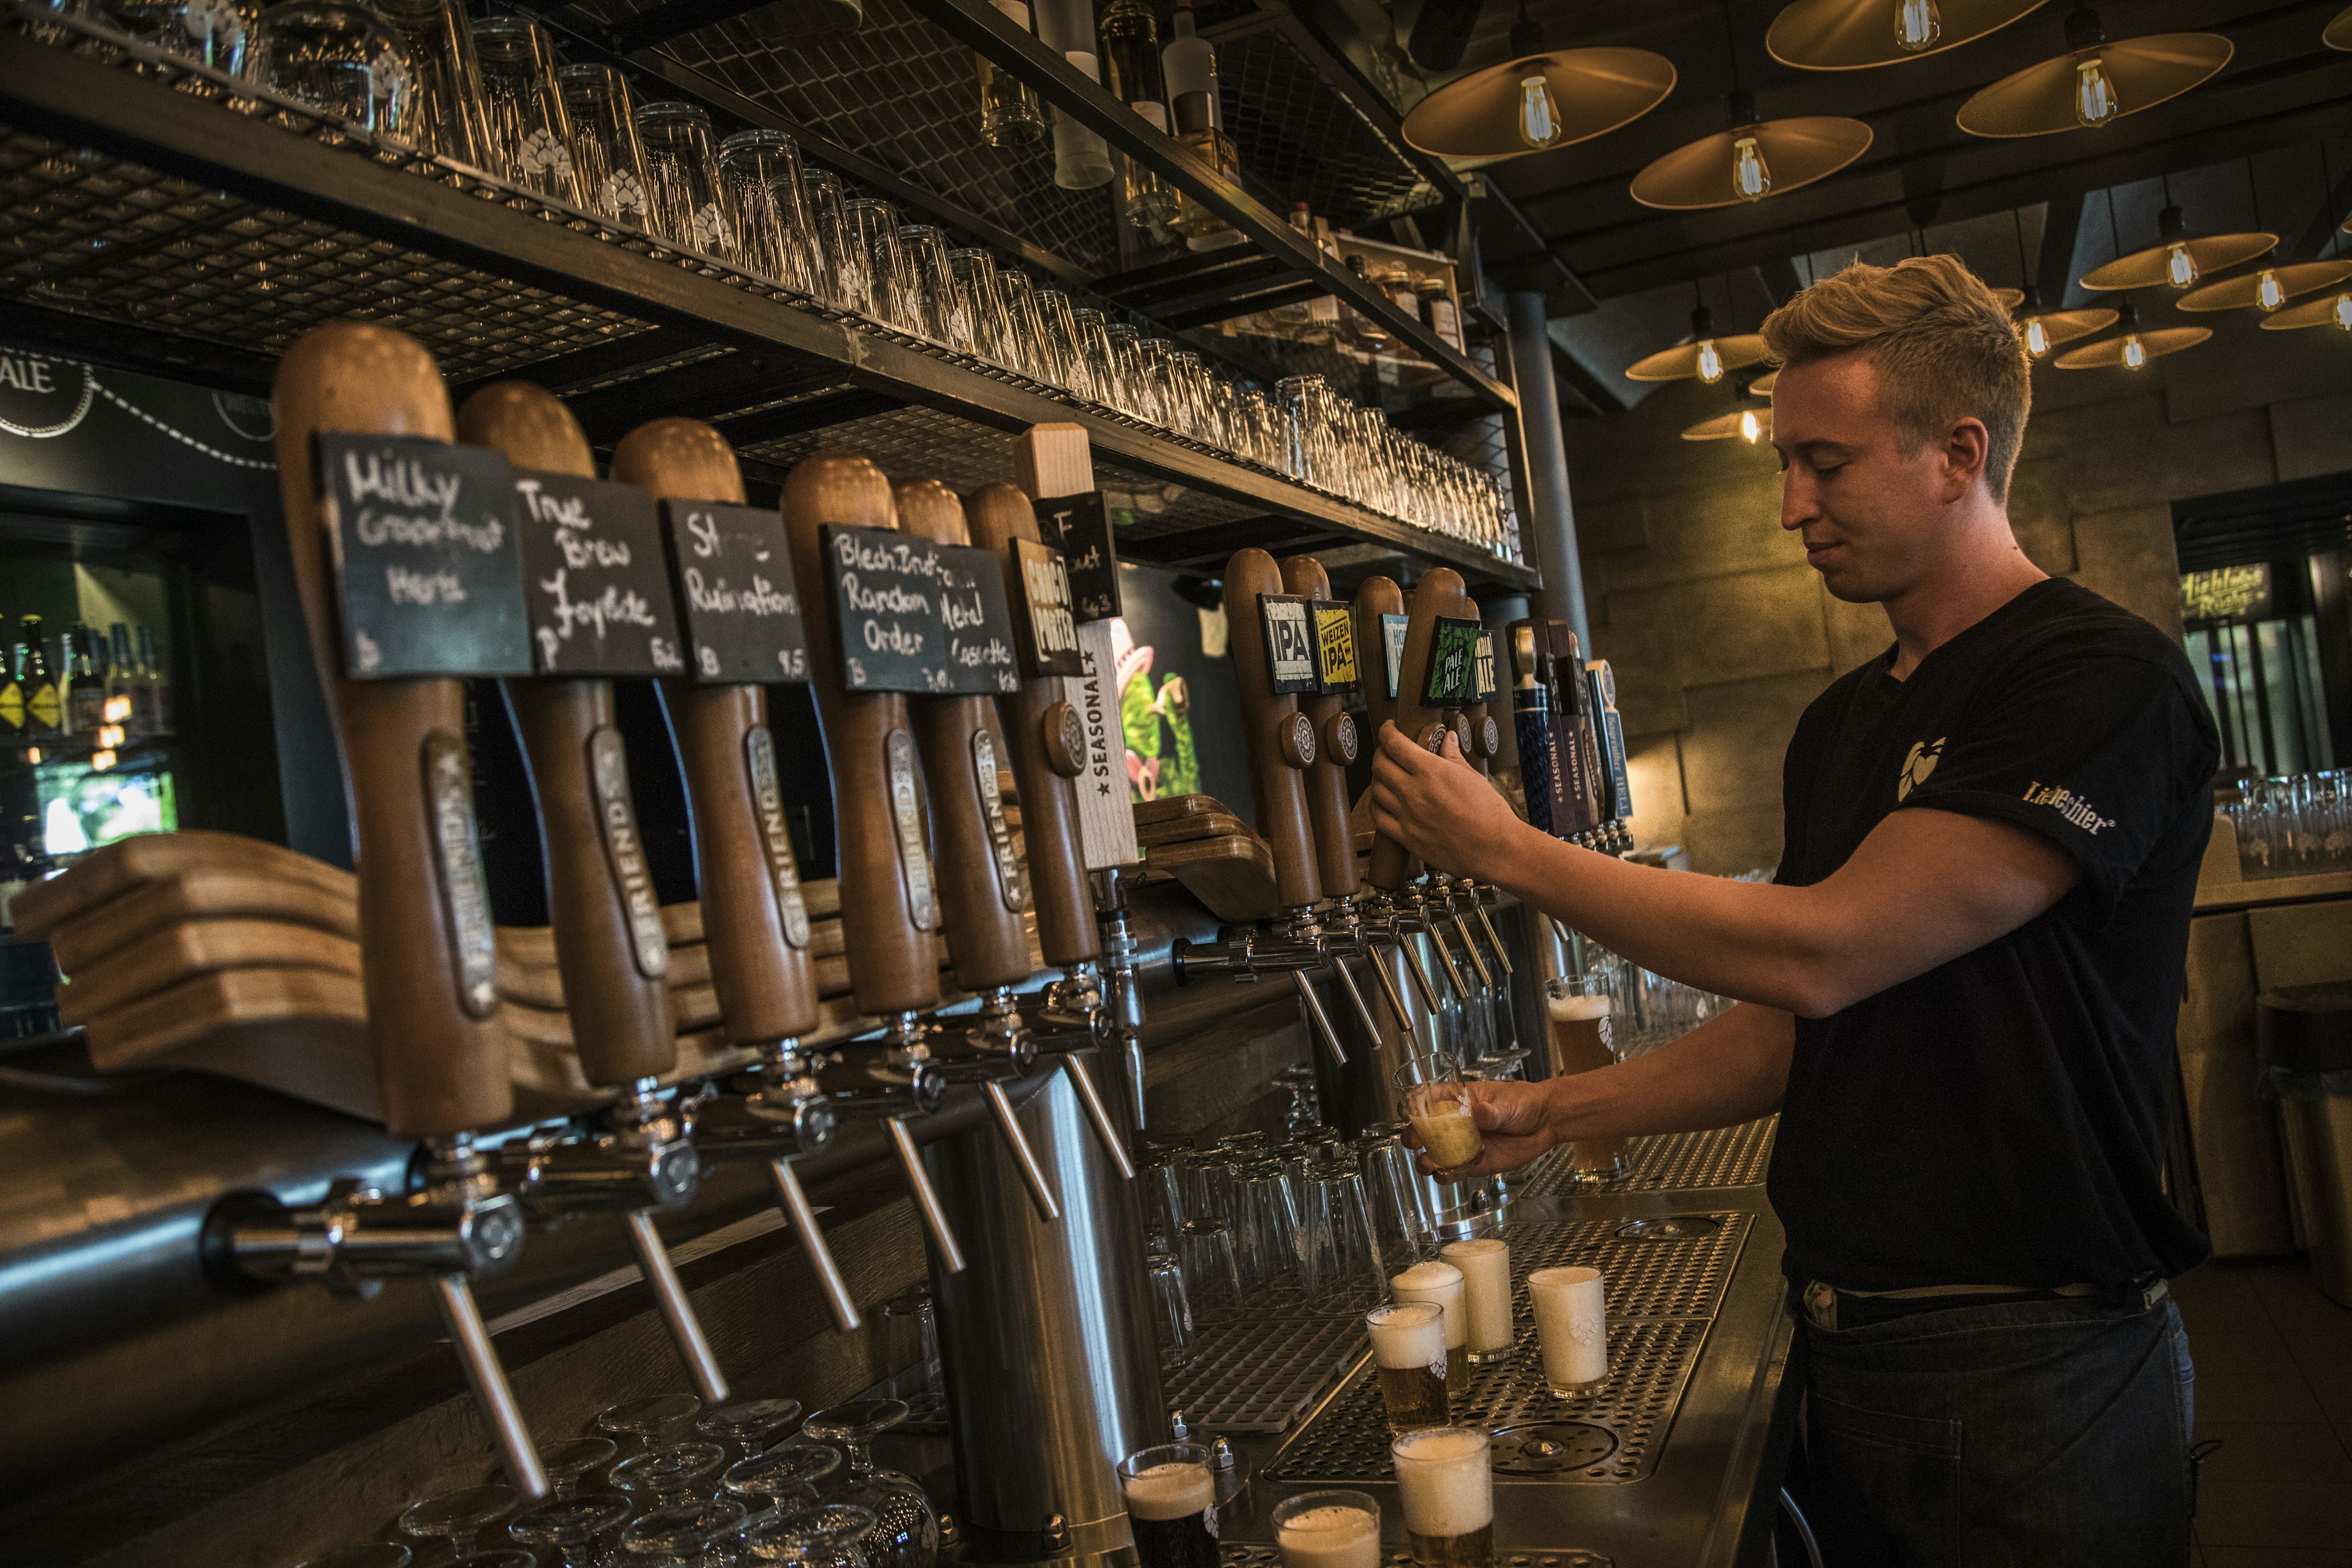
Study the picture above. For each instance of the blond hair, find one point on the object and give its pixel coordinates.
(1943, 346)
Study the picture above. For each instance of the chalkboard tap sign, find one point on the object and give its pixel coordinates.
(734, 573)
(429, 565)
(1336, 671)
(1047, 630)
(1452, 663)
(915, 615)
(598, 581)
(1080, 526)
(1288, 622)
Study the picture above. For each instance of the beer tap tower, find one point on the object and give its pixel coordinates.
(427, 962)
(755, 921)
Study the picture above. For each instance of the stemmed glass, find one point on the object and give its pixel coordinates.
(906, 1529)
(648, 1419)
(567, 1464)
(828, 1537)
(749, 1423)
(361, 1554)
(662, 1478)
(458, 1517)
(572, 1527)
(689, 1535)
(789, 1476)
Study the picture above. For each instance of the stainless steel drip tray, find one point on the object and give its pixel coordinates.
(1663, 1296)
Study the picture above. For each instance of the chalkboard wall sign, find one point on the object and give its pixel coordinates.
(976, 623)
(428, 567)
(1080, 526)
(1289, 623)
(1335, 648)
(734, 578)
(596, 578)
(1453, 651)
(1048, 641)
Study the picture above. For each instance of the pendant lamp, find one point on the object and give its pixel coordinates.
(1749, 423)
(1853, 35)
(1752, 160)
(2043, 331)
(2338, 34)
(2329, 311)
(2179, 257)
(1539, 99)
(2095, 82)
(2132, 348)
(2267, 290)
(1704, 354)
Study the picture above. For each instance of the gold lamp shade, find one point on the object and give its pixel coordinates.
(1853, 35)
(2094, 84)
(2333, 309)
(1763, 385)
(2108, 354)
(1684, 362)
(2178, 257)
(1586, 93)
(2338, 33)
(1754, 424)
(2284, 284)
(2009, 298)
(1723, 170)
(2059, 328)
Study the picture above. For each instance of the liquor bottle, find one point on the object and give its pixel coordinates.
(157, 682)
(44, 708)
(1081, 158)
(1009, 115)
(122, 675)
(1197, 130)
(1190, 62)
(85, 682)
(1438, 309)
(1323, 310)
(1130, 61)
(1371, 336)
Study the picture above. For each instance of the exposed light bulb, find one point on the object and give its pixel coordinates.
(2179, 267)
(2095, 94)
(1918, 25)
(101, 761)
(1710, 362)
(2037, 338)
(1538, 112)
(1750, 427)
(1751, 177)
(2135, 352)
(2269, 292)
(2342, 314)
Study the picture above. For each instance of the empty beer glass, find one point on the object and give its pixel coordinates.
(984, 305)
(681, 1536)
(1486, 1265)
(1410, 1362)
(1266, 1231)
(1171, 1308)
(648, 1422)
(789, 1476)
(937, 307)
(1327, 1529)
(1571, 1328)
(840, 268)
(608, 161)
(759, 173)
(446, 85)
(530, 129)
(568, 1464)
(682, 178)
(1447, 1493)
(675, 1473)
(1437, 1101)
(829, 1537)
(1058, 360)
(870, 235)
(228, 36)
(1339, 1257)
(459, 1518)
(341, 59)
(1392, 1184)
(1171, 1493)
(906, 1529)
(1211, 1277)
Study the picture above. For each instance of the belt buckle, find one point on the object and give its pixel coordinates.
(1820, 1304)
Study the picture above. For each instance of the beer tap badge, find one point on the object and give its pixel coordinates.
(1335, 648)
(1483, 684)
(916, 616)
(734, 573)
(428, 564)
(1392, 634)
(1452, 663)
(1291, 665)
(1080, 526)
(1048, 632)
(597, 578)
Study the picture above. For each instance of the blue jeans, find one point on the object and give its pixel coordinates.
(2028, 1435)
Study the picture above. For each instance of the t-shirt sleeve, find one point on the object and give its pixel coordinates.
(2096, 751)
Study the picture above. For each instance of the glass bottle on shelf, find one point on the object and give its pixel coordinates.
(43, 705)
(1190, 64)
(1438, 309)
(1397, 284)
(86, 683)
(1197, 130)
(1009, 115)
(157, 682)
(1323, 310)
(1130, 65)
(1370, 334)
(120, 675)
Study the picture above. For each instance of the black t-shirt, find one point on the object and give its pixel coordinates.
(2000, 1120)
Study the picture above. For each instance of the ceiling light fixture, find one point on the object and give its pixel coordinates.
(2333, 311)
(2178, 258)
(2268, 290)
(1539, 99)
(1703, 355)
(2097, 82)
(2042, 331)
(1853, 35)
(2338, 33)
(1754, 158)
(2131, 348)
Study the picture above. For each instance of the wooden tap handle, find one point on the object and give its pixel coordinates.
(432, 1027)
(889, 904)
(752, 923)
(609, 945)
(1437, 593)
(1033, 731)
(983, 889)
(1476, 717)
(1281, 792)
(1327, 780)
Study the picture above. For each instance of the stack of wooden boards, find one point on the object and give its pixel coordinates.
(229, 955)
(1218, 857)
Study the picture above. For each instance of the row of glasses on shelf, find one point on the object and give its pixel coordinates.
(2296, 825)
(1347, 450)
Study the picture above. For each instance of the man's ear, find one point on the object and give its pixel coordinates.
(1966, 448)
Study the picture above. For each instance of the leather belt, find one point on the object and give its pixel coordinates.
(1828, 1306)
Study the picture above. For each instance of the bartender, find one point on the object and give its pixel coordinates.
(1960, 989)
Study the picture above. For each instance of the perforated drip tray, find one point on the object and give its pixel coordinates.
(1237, 1556)
(1257, 1376)
(1668, 1162)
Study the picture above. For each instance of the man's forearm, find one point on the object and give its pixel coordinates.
(1730, 1070)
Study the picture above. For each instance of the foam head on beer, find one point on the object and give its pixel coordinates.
(1576, 1009)
(1486, 1265)
(1408, 1333)
(1329, 1529)
(1447, 1493)
(1440, 1283)
(1172, 1490)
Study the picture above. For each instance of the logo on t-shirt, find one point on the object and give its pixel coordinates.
(1925, 754)
(2068, 805)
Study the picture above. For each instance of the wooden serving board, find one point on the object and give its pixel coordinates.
(1202, 825)
(1232, 876)
(1169, 807)
(302, 1031)
(108, 873)
(93, 936)
(172, 954)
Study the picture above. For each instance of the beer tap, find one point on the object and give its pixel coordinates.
(1282, 746)
(428, 964)
(1384, 914)
(755, 922)
(983, 885)
(890, 901)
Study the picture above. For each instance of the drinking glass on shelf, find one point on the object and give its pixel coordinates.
(530, 131)
(446, 113)
(760, 175)
(749, 1424)
(840, 270)
(1447, 1493)
(1213, 1280)
(675, 1473)
(684, 1535)
(1411, 1363)
(1057, 357)
(649, 1421)
(983, 302)
(1171, 1308)
(829, 1537)
(457, 1517)
(938, 304)
(789, 1476)
(682, 196)
(1163, 1198)
(1171, 1492)
(1339, 1257)
(906, 1529)
(568, 1464)
(226, 36)
(608, 159)
(1093, 351)
(870, 233)
(1571, 1329)
(1328, 1529)
(1437, 1102)
(1131, 376)
(341, 59)
(568, 1532)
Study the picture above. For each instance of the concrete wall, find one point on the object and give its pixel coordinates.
(1721, 634)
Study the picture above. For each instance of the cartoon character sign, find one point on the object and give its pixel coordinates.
(1161, 759)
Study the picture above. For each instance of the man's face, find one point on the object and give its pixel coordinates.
(1871, 514)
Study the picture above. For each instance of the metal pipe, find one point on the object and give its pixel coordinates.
(1551, 533)
(470, 1338)
(1098, 1113)
(1477, 960)
(803, 1220)
(684, 1328)
(1356, 994)
(1322, 1020)
(1024, 1158)
(1502, 954)
(1389, 988)
(927, 1201)
(1421, 981)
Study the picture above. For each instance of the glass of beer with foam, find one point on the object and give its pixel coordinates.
(1171, 1492)
(1579, 1016)
(1437, 1102)
(1448, 1495)
(1408, 1356)
(1329, 1529)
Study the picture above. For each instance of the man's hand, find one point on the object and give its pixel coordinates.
(1516, 1122)
(1439, 807)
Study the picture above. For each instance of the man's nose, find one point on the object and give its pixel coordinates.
(1798, 505)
